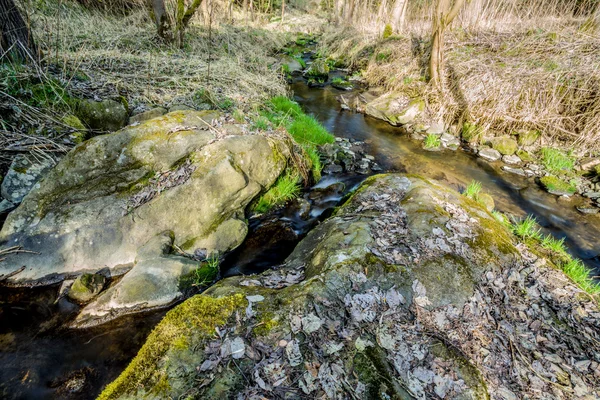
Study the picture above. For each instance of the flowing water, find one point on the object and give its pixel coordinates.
(513, 194)
(41, 360)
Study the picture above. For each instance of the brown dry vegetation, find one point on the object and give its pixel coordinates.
(533, 66)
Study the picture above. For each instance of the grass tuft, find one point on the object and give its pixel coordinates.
(581, 275)
(285, 189)
(557, 246)
(306, 129)
(527, 228)
(432, 141)
(473, 190)
(557, 161)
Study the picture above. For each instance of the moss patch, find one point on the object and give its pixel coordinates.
(197, 316)
(557, 186)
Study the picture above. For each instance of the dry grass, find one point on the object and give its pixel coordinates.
(123, 51)
(545, 77)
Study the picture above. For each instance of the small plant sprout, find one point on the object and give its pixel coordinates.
(527, 228)
(432, 141)
(207, 271)
(473, 190)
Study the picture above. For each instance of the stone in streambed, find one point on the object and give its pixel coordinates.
(490, 154)
(511, 159)
(86, 287)
(396, 108)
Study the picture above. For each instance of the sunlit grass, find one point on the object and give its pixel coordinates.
(472, 190)
(285, 189)
(432, 141)
(527, 228)
(556, 160)
(555, 245)
(581, 275)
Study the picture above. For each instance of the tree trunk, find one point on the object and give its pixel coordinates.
(15, 34)
(442, 17)
(382, 10)
(161, 19)
(349, 9)
(397, 14)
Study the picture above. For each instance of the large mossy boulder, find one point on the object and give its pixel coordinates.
(396, 108)
(105, 115)
(505, 145)
(409, 291)
(170, 179)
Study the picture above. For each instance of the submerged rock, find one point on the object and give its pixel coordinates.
(409, 289)
(86, 287)
(114, 194)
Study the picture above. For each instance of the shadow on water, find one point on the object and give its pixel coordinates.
(40, 360)
(513, 194)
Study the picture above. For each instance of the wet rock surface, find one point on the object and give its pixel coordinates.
(408, 291)
(127, 201)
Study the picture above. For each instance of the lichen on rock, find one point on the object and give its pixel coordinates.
(390, 297)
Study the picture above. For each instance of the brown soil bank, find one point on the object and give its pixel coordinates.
(410, 291)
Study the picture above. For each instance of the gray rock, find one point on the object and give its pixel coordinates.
(180, 107)
(104, 201)
(437, 128)
(489, 154)
(24, 172)
(588, 210)
(402, 268)
(106, 115)
(86, 287)
(395, 108)
(147, 115)
(511, 159)
(517, 171)
(6, 206)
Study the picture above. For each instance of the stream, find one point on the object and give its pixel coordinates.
(39, 360)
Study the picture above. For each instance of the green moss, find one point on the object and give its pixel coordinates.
(387, 31)
(525, 156)
(266, 323)
(468, 372)
(197, 317)
(505, 145)
(557, 186)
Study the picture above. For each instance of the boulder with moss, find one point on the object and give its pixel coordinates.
(86, 287)
(507, 146)
(396, 108)
(105, 115)
(408, 291)
(318, 70)
(23, 175)
(115, 194)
